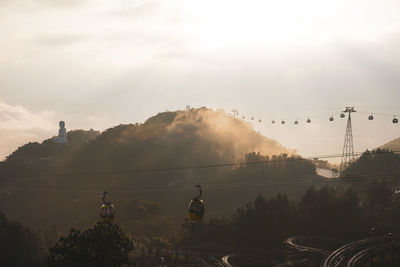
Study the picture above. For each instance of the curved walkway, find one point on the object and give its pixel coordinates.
(293, 242)
(350, 254)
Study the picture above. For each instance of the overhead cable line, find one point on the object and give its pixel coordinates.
(309, 180)
(145, 170)
(264, 177)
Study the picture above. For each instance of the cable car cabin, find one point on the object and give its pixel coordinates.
(107, 210)
(308, 121)
(331, 118)
(342, 115)
(196, 208)
(107, 213)
(370, 117)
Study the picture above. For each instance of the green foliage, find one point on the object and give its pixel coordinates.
(278, 166)
(19, 246)
(380, 197)
(326, 212)
(169, 139)
(274, 218)
(198, 136)
(35, 152)
(265, 223)
(103, 245)
(373, 163)
(374, 177)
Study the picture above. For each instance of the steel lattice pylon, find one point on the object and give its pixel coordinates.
(348, 149)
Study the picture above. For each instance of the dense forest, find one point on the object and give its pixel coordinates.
(260, 193)
(324, 212)
(66, 180)
(261, 224)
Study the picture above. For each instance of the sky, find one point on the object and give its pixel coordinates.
(97, 64)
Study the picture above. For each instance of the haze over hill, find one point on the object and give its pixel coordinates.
(193, 137)
(181, 138)
(392, 145)
(92, 162)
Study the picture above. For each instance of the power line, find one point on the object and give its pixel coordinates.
(291, 159)
(309, 180)
(270, 179)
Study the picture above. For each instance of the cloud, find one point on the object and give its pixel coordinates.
(61, 3)
(47, 3)
(19, 125)
(58, 39)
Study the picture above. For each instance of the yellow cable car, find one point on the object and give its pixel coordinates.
(107, 211)
(196, 208)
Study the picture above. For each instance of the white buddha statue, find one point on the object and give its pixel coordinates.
(62, 134)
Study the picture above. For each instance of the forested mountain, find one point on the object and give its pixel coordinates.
(379, 162)
(195, 137)
(65, 181)
(150, 170)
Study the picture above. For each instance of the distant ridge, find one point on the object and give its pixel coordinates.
(392, 145)
(172, 138)
(177, 138)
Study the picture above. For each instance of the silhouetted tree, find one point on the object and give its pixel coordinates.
(374, 163)
(19, 246)
(379, 197)
(103, 245)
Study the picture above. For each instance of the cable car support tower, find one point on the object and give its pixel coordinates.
(348, 149)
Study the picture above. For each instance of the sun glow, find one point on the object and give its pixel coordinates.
(284, 22)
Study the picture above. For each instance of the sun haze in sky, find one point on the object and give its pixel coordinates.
(96, 64)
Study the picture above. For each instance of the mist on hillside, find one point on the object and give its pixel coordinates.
(150, 170)
(218, 132)
(175, 139)
(192, 137)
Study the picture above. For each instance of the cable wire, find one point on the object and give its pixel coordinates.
(309, 180)
(146, 170)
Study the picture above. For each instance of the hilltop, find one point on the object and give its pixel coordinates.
(181, 138)
(73, 175)
(392, 145)
(169, 139)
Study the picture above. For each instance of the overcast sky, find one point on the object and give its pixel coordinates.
(96, 64)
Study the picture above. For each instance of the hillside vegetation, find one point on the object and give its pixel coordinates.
(65, 182)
